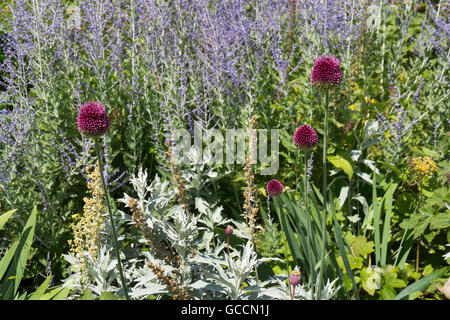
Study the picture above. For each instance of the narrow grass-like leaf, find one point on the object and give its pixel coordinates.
(62, 294)
(16, 268)
(41, 290)
(4, 217)
(422, 284)
(387, 222)
(376, 219)
(290, 236)
(339, 240)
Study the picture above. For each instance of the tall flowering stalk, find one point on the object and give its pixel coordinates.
(325, 75)
(87, 231)
(250, 193)
(93, 122)
(275, 189)
(421, 167)
(305, 139)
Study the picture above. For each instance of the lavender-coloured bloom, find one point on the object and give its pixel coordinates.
(305, 138)
(92, 119)
(309, 172)
(274, 188)
(326, 73)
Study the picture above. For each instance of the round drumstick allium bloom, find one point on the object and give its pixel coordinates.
(326, 73)
(229, 230)
(294, 278)
(92, 119)
(305, 138)
(274, 188)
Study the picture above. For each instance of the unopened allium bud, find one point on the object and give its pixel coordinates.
(294, 278)
(274, 188)
(305, 138)
(92, 119)
(229, 230)
(326, 73)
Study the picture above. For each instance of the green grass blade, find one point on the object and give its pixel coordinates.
(6, 260)
(62, 294)
(4, 217)
(41, 290)
(290, 236)
(387, 222)
(16, 268)
(339, 240)
(376, 219)
(422, 284)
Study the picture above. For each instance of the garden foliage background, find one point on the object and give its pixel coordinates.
(159, 65)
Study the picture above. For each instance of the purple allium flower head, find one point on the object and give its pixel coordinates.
(305, 138)
(229, 231)
(294, 278)
(326, 73)
(92, 119)
(274, 188)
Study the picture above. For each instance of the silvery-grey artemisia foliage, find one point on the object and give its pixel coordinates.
(205, 270)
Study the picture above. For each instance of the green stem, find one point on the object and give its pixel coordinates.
(116, 246)
(306, 200)
(279, 210)
(324, 187)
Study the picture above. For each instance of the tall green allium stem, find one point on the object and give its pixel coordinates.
(116, 246)
(279, 206)
(308, 214)
(324, 192)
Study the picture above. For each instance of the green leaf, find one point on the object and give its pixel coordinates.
(427, 270)
(354, 262)
(414, 295)
(41, 290)
(342, 163)
(110, 296)
(387, 293)
(370, 280)
(376, 219)
(387, 222)
(4, 217)
(62, 294)
(86, 295)
(422, 284)
(16, 268)
(440, 221)
(361, 246)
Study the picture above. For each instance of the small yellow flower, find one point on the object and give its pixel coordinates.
(422, 166)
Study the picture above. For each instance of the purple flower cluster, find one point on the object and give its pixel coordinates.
(305, 138)
(92, 119)
(274, 188)
(326, 73)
